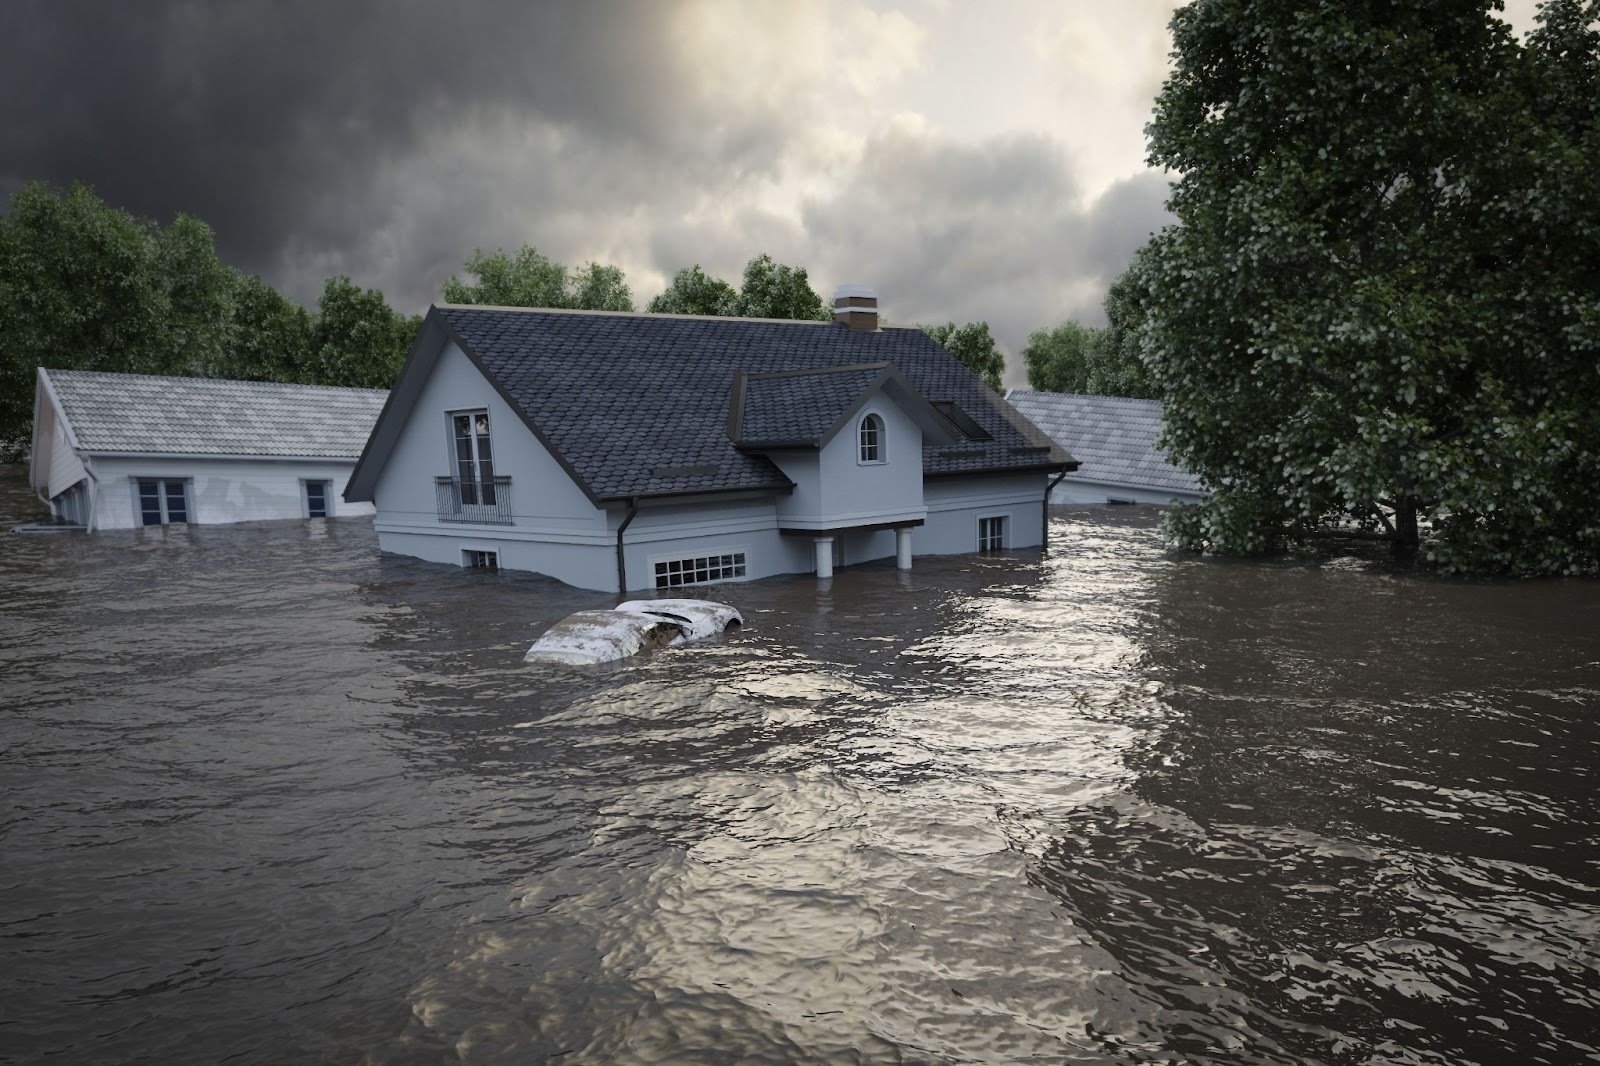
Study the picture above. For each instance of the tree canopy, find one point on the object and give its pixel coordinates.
(770, 290)
(973, 346)
(694, 292)
(87, 286)
(1379, 310)
(528, 278)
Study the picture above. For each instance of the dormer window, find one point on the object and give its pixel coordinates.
(872, 443)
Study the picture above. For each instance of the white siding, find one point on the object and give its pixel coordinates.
(62, 468)
(544, 498)
(956, 503)
(220, 490)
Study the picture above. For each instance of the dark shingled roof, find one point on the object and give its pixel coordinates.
(800, 407)
(629, 402)
(1114, 437)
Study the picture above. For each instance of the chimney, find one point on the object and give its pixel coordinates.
(856, 306)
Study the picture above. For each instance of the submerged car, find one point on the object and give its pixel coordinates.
(589, 637)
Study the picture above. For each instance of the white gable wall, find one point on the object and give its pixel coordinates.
(834, 488)
(220, 490)
(62, 467)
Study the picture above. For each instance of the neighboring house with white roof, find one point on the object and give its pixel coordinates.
(119, 451)
(1114, 440)
(620, 451)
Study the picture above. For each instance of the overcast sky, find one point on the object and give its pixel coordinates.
(969, 160)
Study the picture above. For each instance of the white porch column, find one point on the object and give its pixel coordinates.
(824, 556)
(902, 548)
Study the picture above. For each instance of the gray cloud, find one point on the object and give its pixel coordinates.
(387, 138)
(996, 231)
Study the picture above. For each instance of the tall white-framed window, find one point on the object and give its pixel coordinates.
(872, 439)
(992, 533)
(160, 501)
(474, 456)
(316, 498)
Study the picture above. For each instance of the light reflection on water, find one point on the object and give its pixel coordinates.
(272, 797)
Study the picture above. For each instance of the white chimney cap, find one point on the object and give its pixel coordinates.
(846, 291)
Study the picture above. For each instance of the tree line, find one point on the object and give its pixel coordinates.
(87, 286)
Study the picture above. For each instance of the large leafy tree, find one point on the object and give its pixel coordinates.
(694, 292)
(273, 337)
(359, 340)
(529, 278)
(1379, 311)
(84, 285)
(1099, 362)
(973, 346)
(774, 290)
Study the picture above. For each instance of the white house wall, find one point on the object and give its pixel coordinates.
(220, 490)
(546, 504)
(955, 504)
(57, 467)
(854, 492)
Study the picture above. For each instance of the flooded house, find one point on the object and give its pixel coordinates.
(1114, 440)
(622, 451)
(120, 451)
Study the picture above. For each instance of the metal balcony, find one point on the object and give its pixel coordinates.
(486, 502)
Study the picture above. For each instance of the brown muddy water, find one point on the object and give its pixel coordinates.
(271, 797)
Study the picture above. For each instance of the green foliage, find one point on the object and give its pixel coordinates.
(773, 290)
(1380, 306)
(359, 340)
(86, 286)
(972, 345)
(530, 279)
(694, 292)
(770, 290)
(1098, 362)
(273, 336)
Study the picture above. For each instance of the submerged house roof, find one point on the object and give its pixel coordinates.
(147, 415)
(640, 405)
(1113, 438)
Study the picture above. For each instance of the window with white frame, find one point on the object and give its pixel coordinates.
(872, 442)
(992, 533)
(670, 573)
(474, 457)
(476, 559)
(162, 500)
(316, 498)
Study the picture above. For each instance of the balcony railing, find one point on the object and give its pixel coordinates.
(486, 502)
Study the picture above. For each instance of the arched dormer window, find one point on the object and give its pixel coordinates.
(872, 442)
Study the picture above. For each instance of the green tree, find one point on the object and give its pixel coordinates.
(273, 337)
(1098, 362)
(973, 346)
(1379, 311)
(359, 339)
(773, 290)
(694, 292)
(529, 278)
(84, 285)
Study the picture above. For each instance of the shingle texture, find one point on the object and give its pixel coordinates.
(622, 396)
(205, 416)
(1112, 437)
(800, 407)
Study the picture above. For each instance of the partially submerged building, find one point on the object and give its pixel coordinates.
(1114, 440)
(119, 451)
(620, 451)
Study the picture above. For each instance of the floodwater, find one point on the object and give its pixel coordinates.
(271, 797)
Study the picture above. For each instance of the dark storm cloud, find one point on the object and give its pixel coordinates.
(998, 231)
(280, 124)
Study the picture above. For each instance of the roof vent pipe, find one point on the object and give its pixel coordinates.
(856, 306)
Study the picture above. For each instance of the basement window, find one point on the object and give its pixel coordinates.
(162, 501)
(699, 570)
(473, 559)
(992, 533)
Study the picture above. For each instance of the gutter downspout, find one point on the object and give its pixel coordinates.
(1044, 513)
(622, 566)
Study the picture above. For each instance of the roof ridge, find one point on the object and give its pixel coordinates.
(633, 314)
(54, 371)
